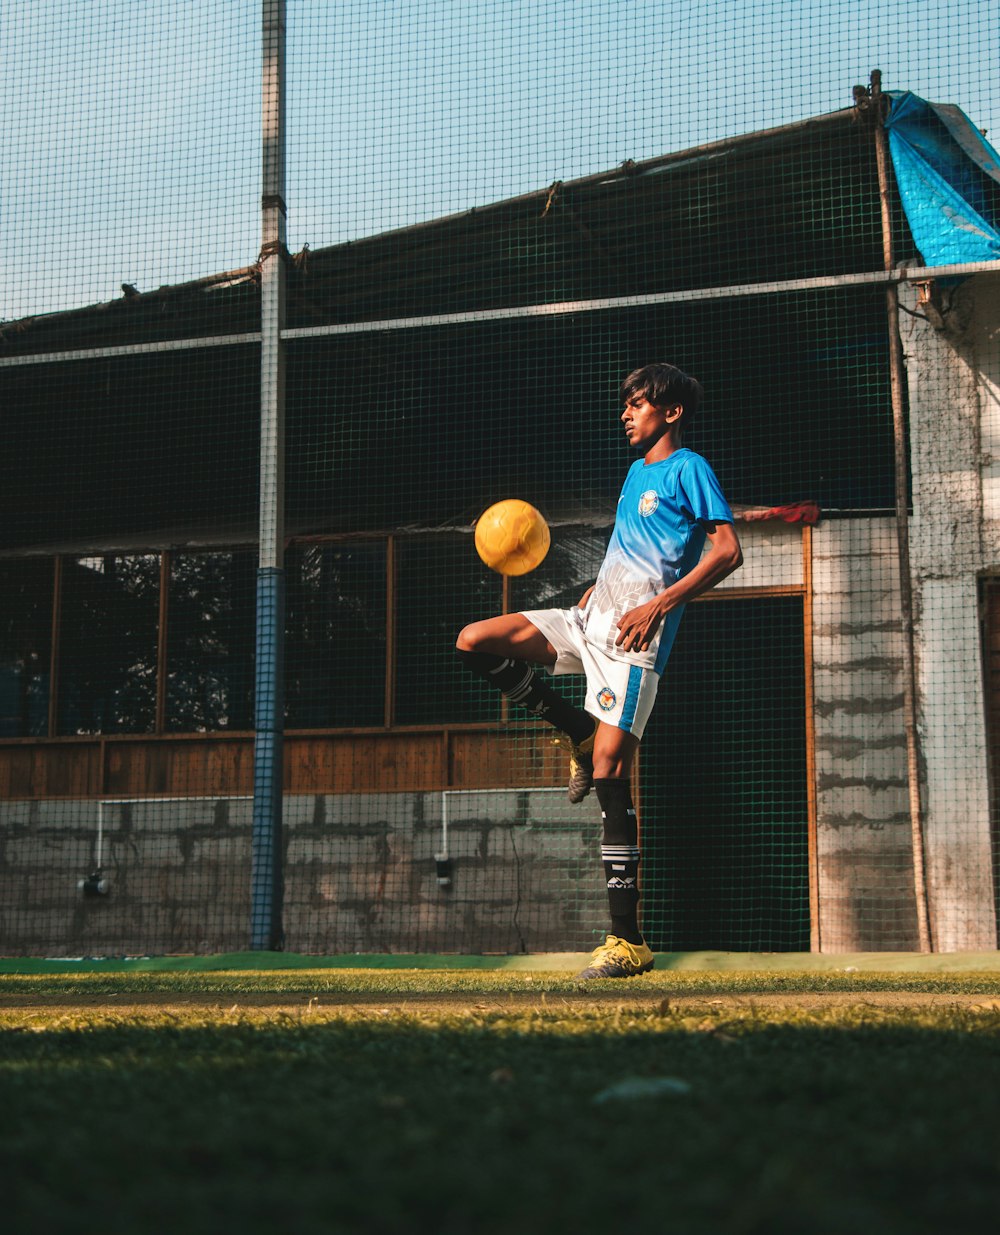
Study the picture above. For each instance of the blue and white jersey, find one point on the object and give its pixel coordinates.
(658, 537)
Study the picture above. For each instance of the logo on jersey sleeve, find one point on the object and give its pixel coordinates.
(606, 698)
(648, 503)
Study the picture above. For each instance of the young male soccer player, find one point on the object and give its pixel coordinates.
(621, 633)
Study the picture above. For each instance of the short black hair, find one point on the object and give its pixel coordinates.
(664, 385)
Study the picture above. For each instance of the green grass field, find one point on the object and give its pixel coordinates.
(499, 1100)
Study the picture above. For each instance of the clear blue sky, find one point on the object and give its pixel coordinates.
(131, 146)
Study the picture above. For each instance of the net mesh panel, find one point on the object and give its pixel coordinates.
(725, 852)
(336, 634)
(494, 213)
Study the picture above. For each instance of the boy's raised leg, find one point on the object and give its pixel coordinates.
(498, 650)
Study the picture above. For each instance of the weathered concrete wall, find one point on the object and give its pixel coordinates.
(772, 556)
(866, 897)
(865, 863)
(179, 876)
(953, 377)
(360, 875)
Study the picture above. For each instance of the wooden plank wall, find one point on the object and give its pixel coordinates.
(221, 764)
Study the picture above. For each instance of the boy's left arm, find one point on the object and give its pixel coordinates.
(638, 626)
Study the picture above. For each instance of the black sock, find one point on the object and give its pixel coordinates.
(518, 682)
(620, 854)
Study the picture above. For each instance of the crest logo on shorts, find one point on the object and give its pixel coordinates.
(648, 503)
(606, 698)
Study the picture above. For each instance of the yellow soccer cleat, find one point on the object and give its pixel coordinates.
(617, 958)
(581, 766)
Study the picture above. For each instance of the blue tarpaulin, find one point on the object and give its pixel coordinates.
(949, 181)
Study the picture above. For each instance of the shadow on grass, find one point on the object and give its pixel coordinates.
(489, 1122)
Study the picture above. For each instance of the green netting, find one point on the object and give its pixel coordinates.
(724, 790)
(230, 712)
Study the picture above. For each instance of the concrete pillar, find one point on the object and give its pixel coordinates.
(948, 374)
(865, 870)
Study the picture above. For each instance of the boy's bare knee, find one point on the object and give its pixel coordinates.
(466, 641)
(614, 751)
(607, 768)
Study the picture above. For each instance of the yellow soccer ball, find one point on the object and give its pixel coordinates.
(512, 537)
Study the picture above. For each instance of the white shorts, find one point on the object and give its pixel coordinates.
(618, 693)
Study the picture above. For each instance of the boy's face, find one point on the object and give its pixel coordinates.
(646, 424)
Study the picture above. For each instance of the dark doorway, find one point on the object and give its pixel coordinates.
(989, 609)
(724, 807)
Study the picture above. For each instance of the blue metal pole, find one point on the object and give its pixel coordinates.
(265, 874)
(266, 866)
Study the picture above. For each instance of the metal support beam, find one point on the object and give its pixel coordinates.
(266, 876)
(897, 377)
